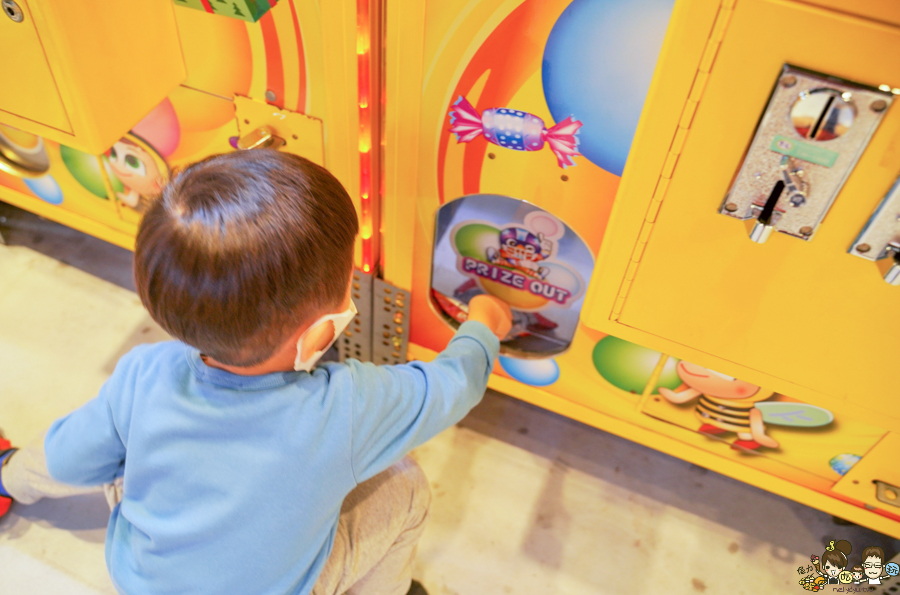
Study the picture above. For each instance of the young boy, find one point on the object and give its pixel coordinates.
(243, 471)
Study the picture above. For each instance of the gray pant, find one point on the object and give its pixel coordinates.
(379, 527)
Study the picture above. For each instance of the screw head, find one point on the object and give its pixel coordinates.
(270, 95)
(879, 105)
(731, 207)
(798, 200)
(788, 81)
(806, 230)
(564, 178)
(13, 11)
(863, 248)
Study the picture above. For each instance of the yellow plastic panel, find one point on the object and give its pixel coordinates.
(28, 89)
(887, 11)
(112, 63)
(879, 464)
(804, 318)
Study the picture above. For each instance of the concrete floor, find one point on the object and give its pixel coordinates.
(525, 501)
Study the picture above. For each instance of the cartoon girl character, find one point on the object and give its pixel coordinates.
(857, 572)
(138, 170)
(873, 564)
(522, 250)
(834, 560)
(725, 404)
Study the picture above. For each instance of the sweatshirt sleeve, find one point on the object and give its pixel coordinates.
(396, 408)
(86, 447)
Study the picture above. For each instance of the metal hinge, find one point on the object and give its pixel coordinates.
(707, 59)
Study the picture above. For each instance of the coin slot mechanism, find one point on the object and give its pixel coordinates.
(813, 131)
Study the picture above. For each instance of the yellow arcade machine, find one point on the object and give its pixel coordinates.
(616, 172)
(613, 169)
(105, 99)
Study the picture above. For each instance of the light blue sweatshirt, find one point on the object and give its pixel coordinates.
(234, 484)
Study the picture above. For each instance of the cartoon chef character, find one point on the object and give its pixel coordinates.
(725, 404)
(138, 171)
(522, 250)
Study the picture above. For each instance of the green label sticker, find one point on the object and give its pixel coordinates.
(804, 151)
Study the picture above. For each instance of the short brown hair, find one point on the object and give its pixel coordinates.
(241, 248)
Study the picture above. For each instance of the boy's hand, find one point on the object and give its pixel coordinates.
(493, 313)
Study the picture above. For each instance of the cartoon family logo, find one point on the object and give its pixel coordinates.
(517, 262)
(726, 404)
(832, 568)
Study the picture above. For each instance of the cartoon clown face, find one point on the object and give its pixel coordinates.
(517, 244)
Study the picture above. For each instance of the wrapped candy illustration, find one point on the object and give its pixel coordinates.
(514, 129)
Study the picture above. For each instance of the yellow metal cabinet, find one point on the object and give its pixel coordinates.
(804, 318)
(83, 73)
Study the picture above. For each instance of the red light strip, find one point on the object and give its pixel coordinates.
(363, 61)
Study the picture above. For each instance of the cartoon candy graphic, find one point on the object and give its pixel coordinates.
(514, 129)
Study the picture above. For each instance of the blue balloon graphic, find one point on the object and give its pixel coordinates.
(892, 569)
(536, 372)
(46, 188)
(598, 64)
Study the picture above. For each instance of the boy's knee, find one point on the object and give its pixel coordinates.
(415, 482)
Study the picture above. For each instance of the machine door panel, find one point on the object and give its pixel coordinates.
(797, 309)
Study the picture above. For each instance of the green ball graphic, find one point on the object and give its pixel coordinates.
(629, 366)
(84, 168)
(474, 239)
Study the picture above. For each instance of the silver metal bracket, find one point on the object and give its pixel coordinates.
(811, 134)
(880, 238)
(380, 331)
(887, 493)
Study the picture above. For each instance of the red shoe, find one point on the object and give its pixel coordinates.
(749, 446)
(711, 430)
(5, 502)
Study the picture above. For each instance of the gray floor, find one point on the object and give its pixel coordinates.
(525, 501)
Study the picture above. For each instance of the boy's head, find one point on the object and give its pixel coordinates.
(241, 249)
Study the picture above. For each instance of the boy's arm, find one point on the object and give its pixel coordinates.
(396, 408)
(85, 447)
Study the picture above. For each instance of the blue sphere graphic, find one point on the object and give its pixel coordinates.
(534, 372)
(597, 68)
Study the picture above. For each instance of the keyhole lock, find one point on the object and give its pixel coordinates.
(823, 114)
(13, 11)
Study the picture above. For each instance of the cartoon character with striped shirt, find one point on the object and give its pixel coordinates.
(725, 404)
